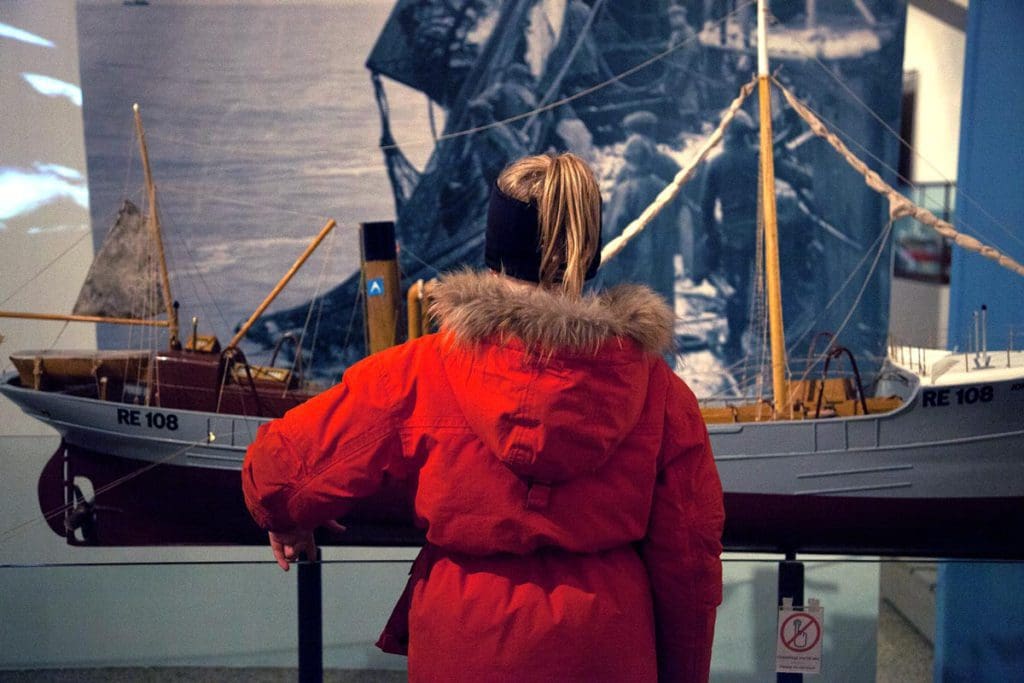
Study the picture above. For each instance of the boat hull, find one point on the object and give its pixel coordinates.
(984, 527)
(937, 445)
(184, 472)
(166, 504)
(916, 481)
(148, 434)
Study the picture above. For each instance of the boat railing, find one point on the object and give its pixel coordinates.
(980, 355)
(917, 359)
(298, 362)
(930, 363)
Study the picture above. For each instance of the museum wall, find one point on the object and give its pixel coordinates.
(989, 199)
(934, 53)
(979, 632)
(44, 201)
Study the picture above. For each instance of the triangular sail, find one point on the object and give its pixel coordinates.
(122, 281)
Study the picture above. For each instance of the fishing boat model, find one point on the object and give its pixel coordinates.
(190, 408)
(932, 462)
(927, 460)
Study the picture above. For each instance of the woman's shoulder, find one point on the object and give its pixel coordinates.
(398, 359)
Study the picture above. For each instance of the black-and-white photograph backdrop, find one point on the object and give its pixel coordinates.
(265, 119)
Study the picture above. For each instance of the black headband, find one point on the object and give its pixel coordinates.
(512, 241)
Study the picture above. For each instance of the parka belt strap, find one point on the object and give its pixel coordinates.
(394, 639)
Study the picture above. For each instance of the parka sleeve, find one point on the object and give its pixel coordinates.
(307, 467)
(682, 549)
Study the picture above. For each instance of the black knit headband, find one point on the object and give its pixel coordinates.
(512, 242)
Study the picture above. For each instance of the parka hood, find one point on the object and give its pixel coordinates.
(550, 384)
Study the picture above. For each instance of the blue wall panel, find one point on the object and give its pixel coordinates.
(990, 197)
(979, 629)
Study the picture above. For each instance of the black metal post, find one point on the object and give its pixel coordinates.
(311, 636)
(791, 585)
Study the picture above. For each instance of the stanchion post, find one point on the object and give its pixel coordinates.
(382, 299)
(311, 635)
(791, 585)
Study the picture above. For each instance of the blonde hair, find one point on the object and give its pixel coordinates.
(568, 210)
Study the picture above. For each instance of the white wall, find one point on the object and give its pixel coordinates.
(935, 51)
(919, 312)
(38, 132)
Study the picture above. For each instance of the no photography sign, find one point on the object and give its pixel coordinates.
(801, 631)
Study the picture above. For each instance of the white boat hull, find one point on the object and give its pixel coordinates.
(154, 435)
(920, 479)
(946, 441)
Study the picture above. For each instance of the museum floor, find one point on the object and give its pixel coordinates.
(904, 656)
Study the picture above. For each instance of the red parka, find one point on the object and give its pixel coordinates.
(566, 484)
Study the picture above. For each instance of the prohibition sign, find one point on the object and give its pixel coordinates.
(804, 636)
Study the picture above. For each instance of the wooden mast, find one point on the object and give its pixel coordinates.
(154, 225)
(773, 280)
(281, 284)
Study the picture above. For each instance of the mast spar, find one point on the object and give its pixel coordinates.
(154, 224)
(244, 329)
(773, 279)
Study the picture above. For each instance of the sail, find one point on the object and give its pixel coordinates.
(122, 281)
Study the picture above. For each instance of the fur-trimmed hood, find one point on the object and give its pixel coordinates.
(476, 305)
(552, 386)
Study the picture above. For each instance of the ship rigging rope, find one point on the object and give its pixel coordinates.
(171, 188)
(316, 302)
(46, 266)
(669, 192)
(882, 243)
(759, 302)
(321, 300)
(406, 250)
(356, 307)
(60, 334)
(899, 205)
(196, 274)
(960, 193)
(877, 248)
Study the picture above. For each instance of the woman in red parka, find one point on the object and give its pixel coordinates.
(572, 508)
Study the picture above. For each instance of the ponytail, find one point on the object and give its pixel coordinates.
(568, 202)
